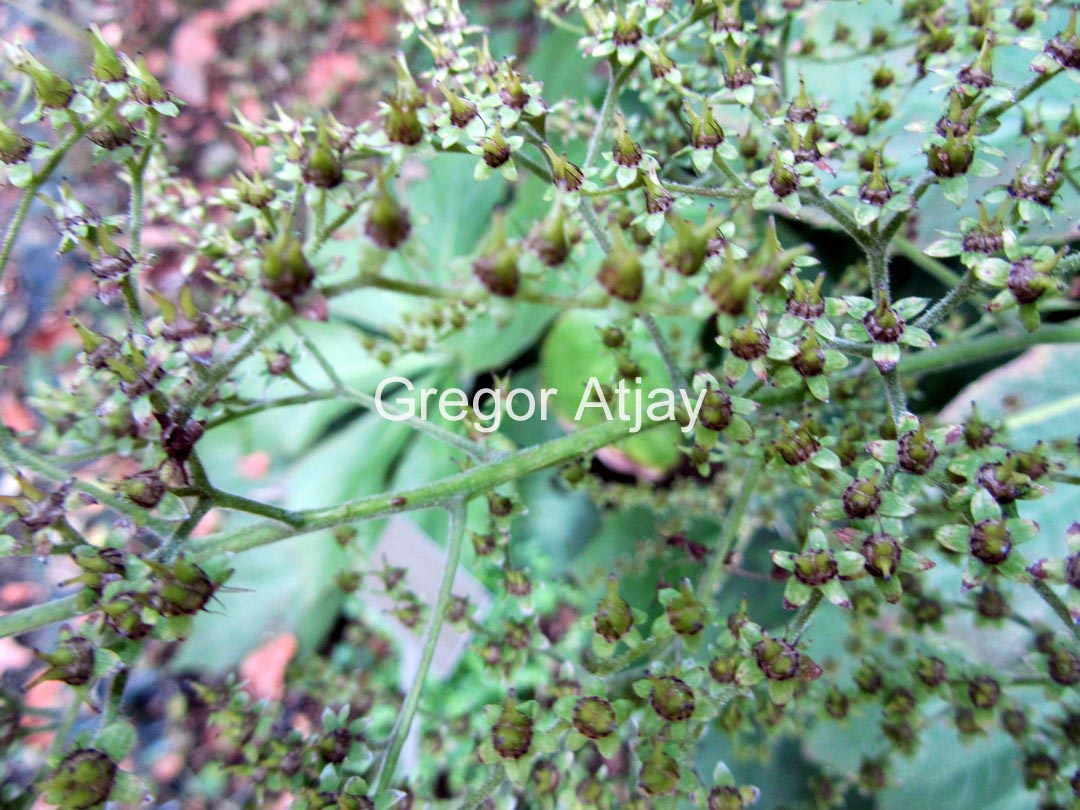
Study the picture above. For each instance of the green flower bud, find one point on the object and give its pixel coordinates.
(916, 452)
(951, 158)
(388, 224)
(990, 541)
(876, 189)
(613, 618)
(862, 498)
(984, 692)
(286, 272)
(882, 553)
(805, 300)
(146, 88)
(83, 780)
(323, 168)
(72, 662)
(685, 613)
(594, 717)
(659, 774)
(108, 66)
(980, 73)
(552, 238)
(145, 488)
(512, 734)
(801, 109)
(566, 176)
(182, 588)
(497, 265)
(113, 133)
(672, 698)
(51, 90)
(1065, 47)
(14, 148)
(777, 659)
(810, 361)
(621, 272)
(626, 151)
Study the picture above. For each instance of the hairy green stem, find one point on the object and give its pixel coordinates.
(1058, 606)
(400, 732)
(968, 286)
(496, 779)
(806, 612)
(137, 170)
(729, 532)
(671, 364)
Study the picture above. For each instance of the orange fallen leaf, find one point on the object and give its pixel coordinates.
(255, 465)
(15, 415)
(264, 668)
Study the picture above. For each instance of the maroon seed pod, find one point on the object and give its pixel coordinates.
(990, 541)
(388, 224)
(749, 342)
(777, 659)
(783, 180)
(144, 488)
(499, 272)
(861, 498)
(868, 678)
(931, 671)
(797, 446)
(883, 324)
(512, 734)
(805, 300)
(927, 611)
(982, 239)
(916, 452)
(72, 662)
(1065, 47)
(1001, 481)
(546, 778)
(882, 554)
(1026, 283)
(716, 410)
(984, 692)
(14, 148)
(181, 589)
(1064, 667)
(837, 704)
(659, 774)
(991, 603)
(815, 568)
(594, 717)
(1072, 570)
(672, 699)
(722, 669)
(725, 797)
(1014, 722)
(802, 109)
(810, 361)
(899, 702)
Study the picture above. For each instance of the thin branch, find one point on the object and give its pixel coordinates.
(400, 732)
